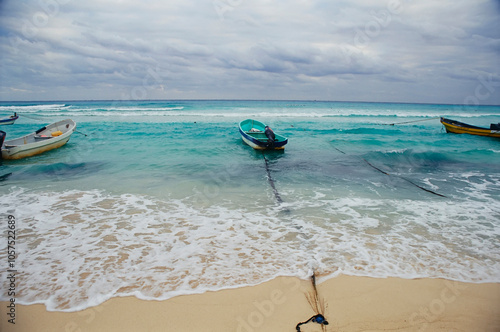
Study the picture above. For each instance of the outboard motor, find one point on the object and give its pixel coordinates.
(270, 135)
(2, 139)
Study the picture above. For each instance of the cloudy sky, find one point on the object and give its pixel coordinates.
(428, 51)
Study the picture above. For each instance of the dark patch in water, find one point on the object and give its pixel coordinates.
(57, 171)
(65, 170)
(5, 176)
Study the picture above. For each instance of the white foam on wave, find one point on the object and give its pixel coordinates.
(34, 108)
(79, 248)
(413, 238)
(208, 114)
(202, 109)
(156, 110)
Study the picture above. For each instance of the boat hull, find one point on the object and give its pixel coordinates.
(48, 138)
(20, 153)
(9, 121)
(457, 127)
(252, 133)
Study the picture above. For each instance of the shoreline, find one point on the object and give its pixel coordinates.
(351, 304)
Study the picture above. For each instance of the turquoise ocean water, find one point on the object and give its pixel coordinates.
(163, 198)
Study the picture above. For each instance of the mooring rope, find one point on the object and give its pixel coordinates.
(317, 305)
(319, 318)
(398, 123)
(407, 180)
(271, 181)
(32, 118)
(401, 177)
(313, 299)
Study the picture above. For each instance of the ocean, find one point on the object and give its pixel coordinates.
(156, 199)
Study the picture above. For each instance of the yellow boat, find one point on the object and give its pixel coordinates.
(456, 127)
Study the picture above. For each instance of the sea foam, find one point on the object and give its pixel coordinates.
(79, 248)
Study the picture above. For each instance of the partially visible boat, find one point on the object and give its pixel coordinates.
(253, 133)
(10, 120)
(44, 139)
(457, 127)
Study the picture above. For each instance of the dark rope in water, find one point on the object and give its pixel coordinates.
(378, 169)
(398, 123)
(29, 117)
(5, 176)
(339, 150)
(271, 181)
(407, 180)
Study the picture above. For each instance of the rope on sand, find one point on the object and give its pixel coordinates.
(318, 306)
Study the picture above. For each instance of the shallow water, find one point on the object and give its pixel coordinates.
(163, 198)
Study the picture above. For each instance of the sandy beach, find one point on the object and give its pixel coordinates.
(350, 304)
(217, 153)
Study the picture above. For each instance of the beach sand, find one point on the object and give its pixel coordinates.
(351, 304)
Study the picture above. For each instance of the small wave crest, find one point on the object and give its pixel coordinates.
(34, 108)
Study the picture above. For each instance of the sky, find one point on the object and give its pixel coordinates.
(424, 51)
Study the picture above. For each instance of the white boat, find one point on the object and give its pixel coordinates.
(44, 139)
(10, 120)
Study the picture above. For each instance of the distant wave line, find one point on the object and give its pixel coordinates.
(41, 106)
(172, 112)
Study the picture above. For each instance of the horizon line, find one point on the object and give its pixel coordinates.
(222, 99)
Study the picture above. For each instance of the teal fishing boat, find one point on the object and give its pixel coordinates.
(261, 137)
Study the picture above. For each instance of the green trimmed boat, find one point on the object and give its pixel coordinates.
(261, 137)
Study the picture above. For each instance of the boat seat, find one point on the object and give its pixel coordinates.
(494, 126)
(42, 137)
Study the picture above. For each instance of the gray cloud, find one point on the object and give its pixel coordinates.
(394, 50)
